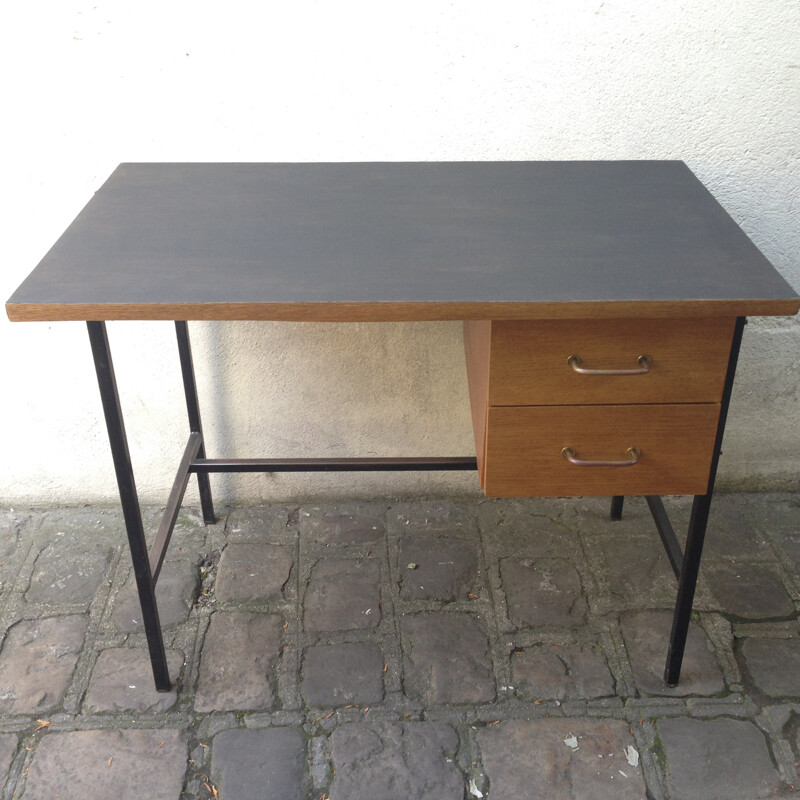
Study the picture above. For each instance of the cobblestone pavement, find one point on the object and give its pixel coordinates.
(442, 649)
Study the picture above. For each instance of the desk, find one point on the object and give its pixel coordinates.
(603, 302)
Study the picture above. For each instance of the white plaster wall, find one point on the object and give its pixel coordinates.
(89, 84)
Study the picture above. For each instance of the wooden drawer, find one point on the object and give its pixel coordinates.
(523, 449)
(528, 361)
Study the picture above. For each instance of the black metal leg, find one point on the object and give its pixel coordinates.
(617, 502)
(697, 530)
(130, 502)
(193, 410)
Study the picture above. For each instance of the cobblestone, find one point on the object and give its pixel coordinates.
(396, 762)
(750, 591)
(774, 665)
(176, 591)
(113, 764)
(447, 659)
(343, 594)
(436, 569)
(259, 764)
(547, 672)
(310, 661)
(342, 674)
(717, 759)
(36, 663)
(334, 526)
(543, 592)
(238, 662)
(562, 759)
(252, 572)
(646, 635)
(120, 682)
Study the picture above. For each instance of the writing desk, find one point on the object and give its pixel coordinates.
(603, 302)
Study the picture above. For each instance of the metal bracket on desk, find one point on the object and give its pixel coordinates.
(686, 562)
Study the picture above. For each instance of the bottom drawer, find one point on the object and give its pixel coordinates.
(524, 447)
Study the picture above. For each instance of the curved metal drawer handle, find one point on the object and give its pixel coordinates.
(643, 361)
(633, 454)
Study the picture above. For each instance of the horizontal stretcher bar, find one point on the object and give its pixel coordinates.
(331, 464)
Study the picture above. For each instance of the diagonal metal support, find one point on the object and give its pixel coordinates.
(667, 533)
(170, 515)
(130, 501)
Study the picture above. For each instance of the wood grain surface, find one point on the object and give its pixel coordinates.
(529, 361)
(524, 444)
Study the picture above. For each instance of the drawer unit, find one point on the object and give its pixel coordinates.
(596, 407)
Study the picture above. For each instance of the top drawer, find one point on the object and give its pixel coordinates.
(529, 361)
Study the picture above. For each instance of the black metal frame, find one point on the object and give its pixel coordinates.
(147, 565)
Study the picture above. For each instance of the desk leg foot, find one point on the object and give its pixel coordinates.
(616, 507)
(129, 500)
(193, 411)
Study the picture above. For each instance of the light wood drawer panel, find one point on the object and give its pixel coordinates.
(528, 361)
(524, 444)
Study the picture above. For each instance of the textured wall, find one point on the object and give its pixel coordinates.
(90, 84)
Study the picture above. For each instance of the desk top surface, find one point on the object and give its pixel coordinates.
(401, 241)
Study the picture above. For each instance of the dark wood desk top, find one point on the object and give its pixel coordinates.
(401, 241)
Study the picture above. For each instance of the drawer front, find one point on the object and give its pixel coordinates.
(524, 449)
(529, 361)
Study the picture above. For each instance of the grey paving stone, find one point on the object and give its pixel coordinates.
(237, 664)
(774, 665)
(343, 594)
(261, 523)
(543, 592)
(526, 529)
(443, 569)
(8, 749)
(338, 525)
(259, 764)
(341, 674)
(717, 759)
(395, 761)
(124, 765)
(430, 517)
(561, 759)
(790, 544)
(122, 680)
(252, 572)
(546, 672)
(12, 523)
(446, 658)
(70, 569)
(646, 635)
(189, 534)
(749, 591)
(176, 592)
(36, 663)
(636, 570)
(733, 531)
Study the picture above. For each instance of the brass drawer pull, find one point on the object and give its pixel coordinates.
(643, 361)
(633, 454)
